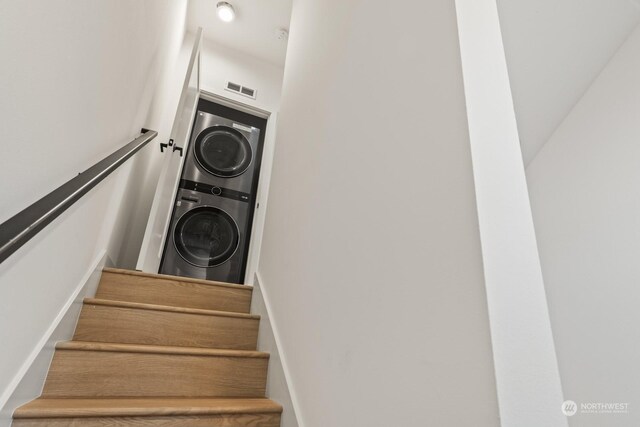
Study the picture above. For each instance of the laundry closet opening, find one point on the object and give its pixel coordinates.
(207, 214)
(211, 223)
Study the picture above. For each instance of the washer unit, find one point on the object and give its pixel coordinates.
(223, 153)
(207, 235)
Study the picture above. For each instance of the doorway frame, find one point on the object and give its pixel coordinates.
(264, 179)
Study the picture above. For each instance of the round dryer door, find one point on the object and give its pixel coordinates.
(223, 151)
(206, 236)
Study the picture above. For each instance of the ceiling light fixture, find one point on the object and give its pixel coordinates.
(226, 12)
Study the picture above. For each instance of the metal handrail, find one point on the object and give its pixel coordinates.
(20, 228)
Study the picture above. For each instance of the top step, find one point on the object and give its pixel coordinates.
(134, 286)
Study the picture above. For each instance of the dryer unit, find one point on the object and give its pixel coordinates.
(223, 153)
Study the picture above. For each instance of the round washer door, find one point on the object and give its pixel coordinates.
(206, 236)
(223, 151)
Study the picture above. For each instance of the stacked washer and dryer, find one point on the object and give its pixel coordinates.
(211, 223)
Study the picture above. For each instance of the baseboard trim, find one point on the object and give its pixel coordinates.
(28, 381)
(259, 286)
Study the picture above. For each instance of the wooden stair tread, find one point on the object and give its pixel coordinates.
(136, 287)
(124, 322)
(93, 370)
(158, 349)
(247, 288)
(168, 308)
(136, 407)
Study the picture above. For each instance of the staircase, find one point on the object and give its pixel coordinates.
(154, 350)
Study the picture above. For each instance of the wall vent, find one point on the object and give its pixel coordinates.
(241, 90)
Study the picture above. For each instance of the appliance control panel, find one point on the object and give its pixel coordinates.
(212, 189)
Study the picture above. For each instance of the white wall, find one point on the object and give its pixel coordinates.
(371, 256)
(555, 50)
(78, 80)
(520, 329)
(220, 64)
(62, 328)
(586, 206)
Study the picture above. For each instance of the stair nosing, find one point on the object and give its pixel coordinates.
(168, 308)
(177, 278)
(158, 349)
(31, 410)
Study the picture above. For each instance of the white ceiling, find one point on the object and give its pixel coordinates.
(253, 31)
(555, 49)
